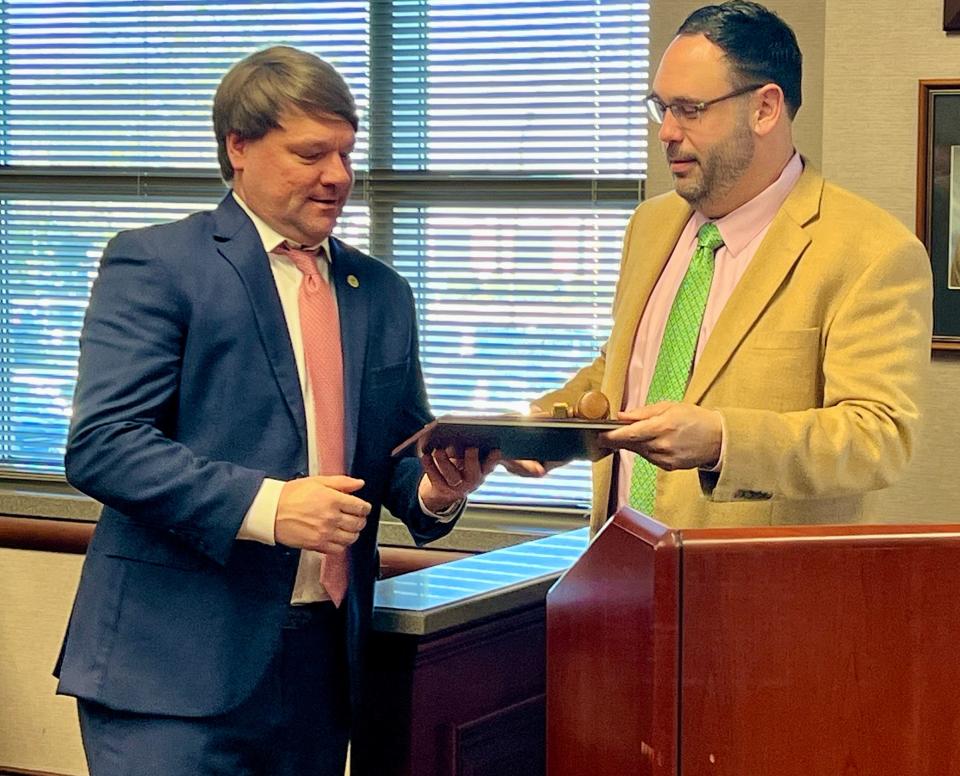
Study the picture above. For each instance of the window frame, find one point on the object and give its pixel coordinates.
(379, 187)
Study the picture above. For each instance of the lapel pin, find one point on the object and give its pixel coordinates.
(352, 281)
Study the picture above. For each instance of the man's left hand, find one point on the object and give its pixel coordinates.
(448, 477)
(671, 435)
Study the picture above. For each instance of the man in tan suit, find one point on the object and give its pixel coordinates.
(815, 336)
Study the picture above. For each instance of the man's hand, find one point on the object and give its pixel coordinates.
(318, 513)
(671, 435)
(448, 478)
(524, 467)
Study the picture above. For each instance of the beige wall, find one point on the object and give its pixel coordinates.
(807, 19)
(876, 52)
(39, 729)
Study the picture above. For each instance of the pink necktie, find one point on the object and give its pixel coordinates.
(320, 328)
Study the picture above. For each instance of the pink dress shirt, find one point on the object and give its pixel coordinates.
(742, 230)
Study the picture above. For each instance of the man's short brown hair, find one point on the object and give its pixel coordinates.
(258, 89)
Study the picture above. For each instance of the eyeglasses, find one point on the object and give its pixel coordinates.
(688, 112)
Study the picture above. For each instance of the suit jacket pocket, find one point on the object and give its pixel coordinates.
(781, 371)
(789, 339)
(145, 544)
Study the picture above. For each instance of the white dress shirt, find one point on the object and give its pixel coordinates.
(259, 522)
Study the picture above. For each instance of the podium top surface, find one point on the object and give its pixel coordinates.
(654, 532)
(451, 594)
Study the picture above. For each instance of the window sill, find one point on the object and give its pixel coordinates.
(480, 529)
(52, 498)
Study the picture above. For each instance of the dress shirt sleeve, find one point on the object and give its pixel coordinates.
(259, 524)
(447, 515)
(709, 477)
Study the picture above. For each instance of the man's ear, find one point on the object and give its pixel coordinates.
(769, 108)
(236, 147)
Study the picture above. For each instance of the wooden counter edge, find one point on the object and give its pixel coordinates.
(72, 537)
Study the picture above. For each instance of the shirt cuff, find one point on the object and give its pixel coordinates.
(447, 515)
(723, 448)
(259, 524)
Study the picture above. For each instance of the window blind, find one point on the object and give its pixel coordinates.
(130, 84)
(526, 86)
(50, 251)
(500, 103)
(512, 301)
(501, 150)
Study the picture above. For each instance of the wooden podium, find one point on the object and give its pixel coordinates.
(787, 651)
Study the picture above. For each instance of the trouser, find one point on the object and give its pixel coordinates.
(295, 723)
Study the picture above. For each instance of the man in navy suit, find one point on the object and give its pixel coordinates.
(203, 639)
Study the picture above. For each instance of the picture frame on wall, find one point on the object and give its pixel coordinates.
(951, 15)
(938, 201)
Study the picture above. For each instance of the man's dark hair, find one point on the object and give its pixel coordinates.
(761, 47)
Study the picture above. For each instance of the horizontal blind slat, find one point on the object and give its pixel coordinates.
(510, 299)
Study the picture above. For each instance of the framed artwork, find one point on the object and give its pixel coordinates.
(951, 15)
(938, 201)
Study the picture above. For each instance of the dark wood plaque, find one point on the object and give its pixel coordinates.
(951, 15)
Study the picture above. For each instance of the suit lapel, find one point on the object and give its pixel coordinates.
(353, 301)
(238, 242)
(781, 248)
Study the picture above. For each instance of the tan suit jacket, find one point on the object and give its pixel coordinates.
(815, 363)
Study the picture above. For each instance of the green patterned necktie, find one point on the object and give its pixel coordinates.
(675, 361)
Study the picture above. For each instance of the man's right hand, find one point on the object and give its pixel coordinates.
(318, 513)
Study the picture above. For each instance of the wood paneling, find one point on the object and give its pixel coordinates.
(612, 647)
(815, 656)
(803, 651)
(45, 535)
(506, 742)
(441, 705)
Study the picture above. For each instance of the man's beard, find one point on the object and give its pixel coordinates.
(720, 171)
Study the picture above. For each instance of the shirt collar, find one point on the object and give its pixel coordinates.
(271, 238)
(739, 227)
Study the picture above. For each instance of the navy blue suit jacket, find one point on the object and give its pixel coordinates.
(188, 397)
